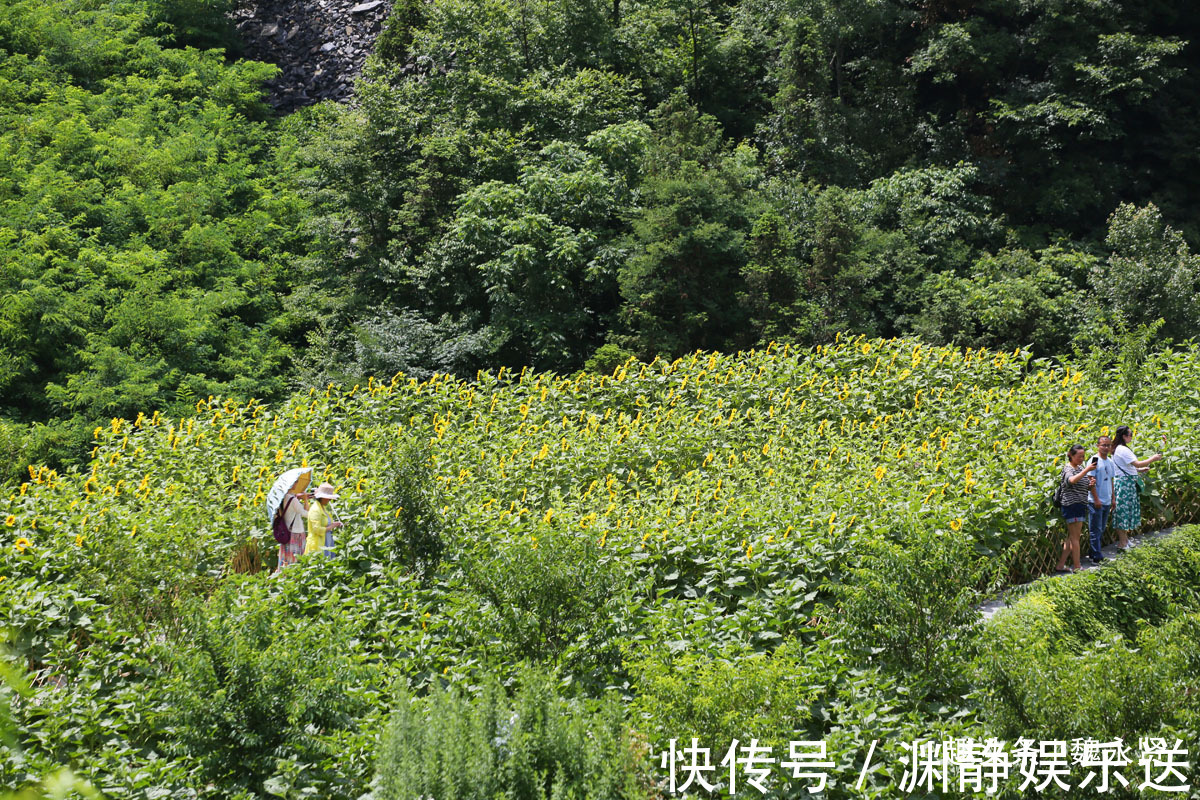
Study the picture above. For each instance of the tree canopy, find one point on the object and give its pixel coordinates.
(521, 182)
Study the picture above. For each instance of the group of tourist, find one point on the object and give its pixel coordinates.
(1107, 485)
(310, 523)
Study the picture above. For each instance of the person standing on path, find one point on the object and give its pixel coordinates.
(1127, 514)
(1074, 504)
(1101, 497)
(320, 522)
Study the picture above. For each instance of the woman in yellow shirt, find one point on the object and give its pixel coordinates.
(319, 520)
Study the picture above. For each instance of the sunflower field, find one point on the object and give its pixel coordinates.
(718, 546)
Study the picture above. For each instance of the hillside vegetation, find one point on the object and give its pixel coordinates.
(783, 543)
(685, 369)
(145, 237)
(566, 184)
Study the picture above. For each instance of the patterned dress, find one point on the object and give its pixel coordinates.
(1127, 515)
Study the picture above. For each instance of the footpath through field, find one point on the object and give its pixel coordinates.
(991, 607)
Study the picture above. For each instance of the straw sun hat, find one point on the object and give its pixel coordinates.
(325, 491)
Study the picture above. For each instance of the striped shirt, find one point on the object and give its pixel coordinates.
(1074, 493)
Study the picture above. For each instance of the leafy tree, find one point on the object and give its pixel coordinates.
(1150, 274)
(538, 257)
(830, 259)
(938, 210)
(688, 242)
(431, 194)
(195, 23)
(839, 85)
(818, 273)
(391, 342)
(1059, 124)
(774, 278)
(1010, 299)
(146, 230)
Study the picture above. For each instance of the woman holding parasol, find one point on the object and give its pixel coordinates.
(287, 511)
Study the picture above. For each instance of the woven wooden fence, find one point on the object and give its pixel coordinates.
(1168, 506)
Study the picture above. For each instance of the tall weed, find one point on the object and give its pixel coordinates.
(535, 745)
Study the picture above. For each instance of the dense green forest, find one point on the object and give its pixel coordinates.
(563, 184)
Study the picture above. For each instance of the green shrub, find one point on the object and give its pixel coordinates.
(1108, 653)
(911, 608)
(248, 686)
(533, 746)
(1141, 587)
(548, 594)
(1031, 686)
(59, 783)
(417, 537)
(736, 696)
(607, 358)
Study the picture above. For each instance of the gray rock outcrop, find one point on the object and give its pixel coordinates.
(319, 45)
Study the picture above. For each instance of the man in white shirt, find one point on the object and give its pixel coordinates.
(1101, 497)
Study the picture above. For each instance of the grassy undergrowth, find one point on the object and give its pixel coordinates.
(1111, 652)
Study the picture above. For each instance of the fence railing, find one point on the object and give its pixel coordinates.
(1166, 507)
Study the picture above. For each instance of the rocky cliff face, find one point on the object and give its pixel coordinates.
(320, 45)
